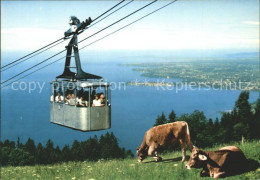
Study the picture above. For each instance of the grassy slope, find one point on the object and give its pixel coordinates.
(169, 168)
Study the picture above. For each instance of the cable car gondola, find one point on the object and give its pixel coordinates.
(72, 101)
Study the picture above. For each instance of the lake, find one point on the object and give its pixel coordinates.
(134, 108)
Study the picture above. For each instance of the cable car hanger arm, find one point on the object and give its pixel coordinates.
(82, 40)
(27, 56)
(92, 42)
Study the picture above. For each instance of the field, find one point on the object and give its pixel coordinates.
(170, 168)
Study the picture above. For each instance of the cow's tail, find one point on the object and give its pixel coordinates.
(187, 137)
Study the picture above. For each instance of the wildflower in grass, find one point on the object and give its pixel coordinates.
(100, 160)
(175, 165)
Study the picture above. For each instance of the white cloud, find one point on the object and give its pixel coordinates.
(28, 38)
(174, 39)
(251, 22)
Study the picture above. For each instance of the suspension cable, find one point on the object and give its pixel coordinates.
(111, 13)
(67, 39)
(128, 24)
(80, 41)
(34, 71)
(118, 21)
(31, 53)
(96, 40)
(27, 56)
(32, 56)
(108, 10)
(33, 66)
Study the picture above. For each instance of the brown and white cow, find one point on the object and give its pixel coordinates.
(164, 135)
(226, 161)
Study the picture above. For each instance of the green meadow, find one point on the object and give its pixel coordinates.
(170, 168)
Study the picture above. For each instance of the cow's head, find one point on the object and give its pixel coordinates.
(197, 158)
(141, 153)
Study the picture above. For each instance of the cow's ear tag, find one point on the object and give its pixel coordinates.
(202, 157)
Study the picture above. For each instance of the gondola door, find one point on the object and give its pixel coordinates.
(57, 103)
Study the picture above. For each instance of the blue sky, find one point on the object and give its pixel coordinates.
(186, 24)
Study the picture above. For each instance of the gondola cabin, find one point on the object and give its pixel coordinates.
(77, 105)
(79, 100)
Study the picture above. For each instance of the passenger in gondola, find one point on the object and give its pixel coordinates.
(59, 98)
(81, 102)
(93, 94)
(96, 101)
(102, 99)
(72, 100)
(85, 95)
(67, 99)
(80, 92)
(51, 99)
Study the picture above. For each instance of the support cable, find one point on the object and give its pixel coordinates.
(95, 41)
(28, 56)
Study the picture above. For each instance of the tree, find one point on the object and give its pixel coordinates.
(210, 123)
(40, 156)
(198, 127)
(66, 154)
(243, 108)
(160, 120)
(172, 117)
(18, 143)
(30, 146)
(227, 123)
(109, 147)
(5, 151)
(48, 152)
(56, 155)
(244, 114)
(77, 153)
(239, 130)
(256, 120)
(257, 109)
(92, 149)
(10, 144)
(216, 124)
(20, 157)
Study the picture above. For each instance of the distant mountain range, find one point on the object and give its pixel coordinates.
(245, 54)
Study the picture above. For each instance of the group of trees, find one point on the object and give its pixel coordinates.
(18, 154)
(242, 121)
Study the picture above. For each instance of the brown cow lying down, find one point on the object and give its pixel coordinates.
(226, 161)
(164, 135)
